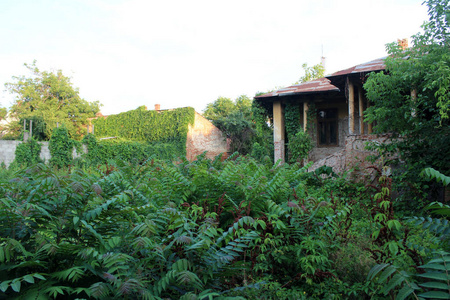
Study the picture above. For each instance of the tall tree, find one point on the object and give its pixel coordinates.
(311, 73)
(411, 99)
(50, 97)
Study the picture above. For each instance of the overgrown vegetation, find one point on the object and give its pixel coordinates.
(411, 100)
(159, 129)
(240, 228)
(209, 228)
(27, 153)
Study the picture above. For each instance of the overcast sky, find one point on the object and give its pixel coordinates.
(128, 53)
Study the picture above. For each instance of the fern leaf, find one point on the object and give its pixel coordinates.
(435, 275)
(404, 292)
(375, 270)
(435, 295)
(396, 281)
(435, 285)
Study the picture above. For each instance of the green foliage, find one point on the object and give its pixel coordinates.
(38, 127)
(3, 113)
(27, 153)
(411, 100)
(262, 118)
(202, 229)
(299, 146)
(61, 148)
(311, 73)
(239, 130)
(222, 107)
(49, 96)
(100, 152)
(433, 283)
(434, 174)
(234, 119)
(149, 126)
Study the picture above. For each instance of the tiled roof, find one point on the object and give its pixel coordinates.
(324, 84)
(374, 65)
(314, 86)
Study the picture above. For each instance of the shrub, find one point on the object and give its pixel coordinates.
(27, 153)
(61, 148)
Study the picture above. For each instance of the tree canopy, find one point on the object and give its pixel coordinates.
(411, 99)
(49, 98)
(311, 73)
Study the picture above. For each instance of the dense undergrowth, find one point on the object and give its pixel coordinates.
(210, 229)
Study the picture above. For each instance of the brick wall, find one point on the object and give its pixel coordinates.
(204, 136)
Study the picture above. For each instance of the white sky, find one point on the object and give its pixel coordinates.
(128, 53)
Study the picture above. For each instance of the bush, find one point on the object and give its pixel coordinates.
(28, 153)
(61, 148)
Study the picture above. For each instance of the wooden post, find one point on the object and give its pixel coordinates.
(305, 116)
(370, 125)
(92, 129)
(31, 129)
(361, 110)
(351, 108)
(278, 131)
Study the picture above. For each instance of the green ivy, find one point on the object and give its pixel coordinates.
(100, 151)
(61, 147)
(299, 146)
(148, 125)
(292, 119)
(27, 153)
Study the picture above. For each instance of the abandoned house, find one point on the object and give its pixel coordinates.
(331, 110)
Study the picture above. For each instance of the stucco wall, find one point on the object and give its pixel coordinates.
(204, 136)
(8, 149)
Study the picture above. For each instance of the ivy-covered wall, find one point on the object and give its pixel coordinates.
(151, 126)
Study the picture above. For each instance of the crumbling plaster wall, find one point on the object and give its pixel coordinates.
(8, 149)
(204, 136)
(353, 155)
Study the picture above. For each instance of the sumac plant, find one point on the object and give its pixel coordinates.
(207, 229)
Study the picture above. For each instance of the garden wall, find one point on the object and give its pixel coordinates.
(8, 148)
(204, 136)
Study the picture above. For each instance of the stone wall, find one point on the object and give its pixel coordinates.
(204, 136)
(352, 155)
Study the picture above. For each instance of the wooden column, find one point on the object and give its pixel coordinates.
(361, 110)
(278, 131)
(351, 107)
(305, 116)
